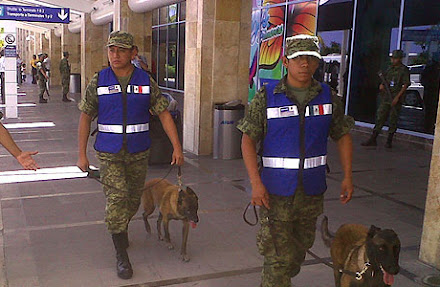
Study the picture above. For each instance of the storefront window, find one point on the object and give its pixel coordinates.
(169, 47)
(420, 43)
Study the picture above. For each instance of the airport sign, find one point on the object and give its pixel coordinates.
(35, 14)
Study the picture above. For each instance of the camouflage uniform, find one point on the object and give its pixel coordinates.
(124, 171)
(65, 75)
(397, 76)
(41, 80)
(288, 228)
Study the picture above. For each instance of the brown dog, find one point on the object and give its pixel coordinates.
(362, 256)
(173, 204)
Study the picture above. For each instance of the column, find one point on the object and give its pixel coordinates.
(71, 42)
(216, 64)
(138, 24)
(93, 51)
(55, 58)
(429, 247)
(45, 42)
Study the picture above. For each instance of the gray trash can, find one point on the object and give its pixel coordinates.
(227, 138)
(75, 83)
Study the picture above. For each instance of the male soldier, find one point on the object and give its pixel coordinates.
(24, 158)
(121, 97)
(65, 75)
(292, 122)
(397, 77)
(42, 78)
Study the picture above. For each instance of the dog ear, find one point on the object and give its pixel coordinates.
(180, 197)
(373, 230)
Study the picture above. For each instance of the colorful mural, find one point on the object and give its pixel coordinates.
(270, 24)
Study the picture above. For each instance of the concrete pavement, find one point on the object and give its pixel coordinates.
(53, 232)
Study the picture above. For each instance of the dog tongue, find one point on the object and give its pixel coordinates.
(388, 278)
(193, 224)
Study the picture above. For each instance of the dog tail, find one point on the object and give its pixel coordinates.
(327, 237)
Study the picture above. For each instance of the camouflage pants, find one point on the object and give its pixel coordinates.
(43, 87)
(65, 82)
(287, 231)
(122, 202)
(383, 111)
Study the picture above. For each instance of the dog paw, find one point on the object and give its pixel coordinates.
(170, 246)
(184, 257)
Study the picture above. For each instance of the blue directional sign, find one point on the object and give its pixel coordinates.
(35, 14)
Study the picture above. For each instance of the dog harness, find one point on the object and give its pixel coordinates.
(123, 117)
(295, 145)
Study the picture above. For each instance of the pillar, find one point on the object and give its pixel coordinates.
(55, 58)
(45, 43)
(430, 247)
(137, 24)
(71, 42)
(93, 52)
(216, 64)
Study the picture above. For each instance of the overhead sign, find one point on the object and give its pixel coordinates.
(35, 14)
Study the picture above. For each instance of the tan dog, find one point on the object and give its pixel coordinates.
(173, 204)
(362, 256)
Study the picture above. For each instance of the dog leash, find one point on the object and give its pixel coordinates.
(358, 275)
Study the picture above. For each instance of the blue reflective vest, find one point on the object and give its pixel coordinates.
(295, 145)
(123, 117)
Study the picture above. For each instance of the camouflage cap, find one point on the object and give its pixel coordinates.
(120, 39)
(302, 44)
(397, 54)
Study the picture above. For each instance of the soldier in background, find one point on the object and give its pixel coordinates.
(42, 79)
(65, 75)
(397, 77)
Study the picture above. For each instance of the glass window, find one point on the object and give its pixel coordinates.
(155, 17)
(421, 46)
(162, 65)
(172, 13)
(168, 53)
(182, 11)
(181, 64)
(163, 15)
(172, 56)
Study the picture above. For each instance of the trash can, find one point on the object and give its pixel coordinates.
(75, 83)
(227, 138)
(161, 149)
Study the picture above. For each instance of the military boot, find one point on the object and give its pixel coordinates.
(123, 266)
(66, 99)
(371, 141)
(389, 143)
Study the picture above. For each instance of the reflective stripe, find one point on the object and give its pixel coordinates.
(138, 89)
(319, 110)
(137, 128)
(282, 112)
(109, 90)
(118, 129)
(293, 163)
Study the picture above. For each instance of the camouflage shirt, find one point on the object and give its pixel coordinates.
(254, 124)
(89, 105)
(64, 67)
(397, 76)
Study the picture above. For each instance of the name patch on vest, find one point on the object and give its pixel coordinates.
(114, 89)
(282, 112)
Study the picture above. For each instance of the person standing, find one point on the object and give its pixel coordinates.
(34, 62)
(24, 158)
(42, 78)
(397, 78)
(291, 122)
(121, 97)
(65, 75)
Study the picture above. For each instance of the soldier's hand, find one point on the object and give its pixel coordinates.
(381, 87)
(260, 196)
(83, 164)
(177, 157)
(346, 190)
